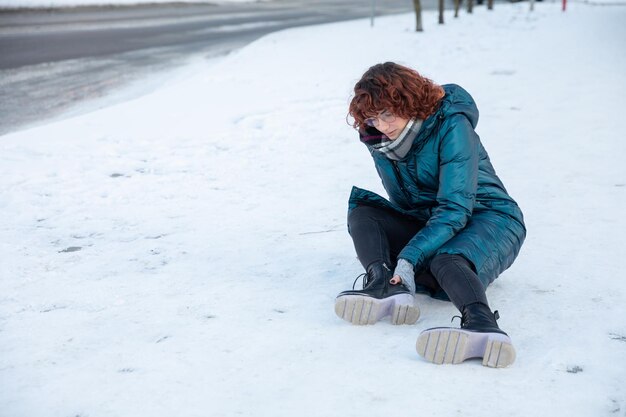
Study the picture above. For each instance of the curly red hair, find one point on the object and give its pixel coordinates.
(397, 89)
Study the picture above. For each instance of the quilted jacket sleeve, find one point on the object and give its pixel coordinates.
(458, 181)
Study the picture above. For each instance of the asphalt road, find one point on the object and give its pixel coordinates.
(53, 60)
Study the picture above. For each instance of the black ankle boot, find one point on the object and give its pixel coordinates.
(377, 299)
(376, 283)
(478, 337)
(477, 317)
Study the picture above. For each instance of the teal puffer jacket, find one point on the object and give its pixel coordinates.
(447, 182)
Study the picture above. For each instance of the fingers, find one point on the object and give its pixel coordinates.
(395, 280)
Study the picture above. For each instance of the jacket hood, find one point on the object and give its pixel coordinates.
(458, 101)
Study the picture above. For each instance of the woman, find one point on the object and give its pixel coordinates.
(449, 227)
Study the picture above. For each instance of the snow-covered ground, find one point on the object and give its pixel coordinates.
(604, 2)
(179, 254)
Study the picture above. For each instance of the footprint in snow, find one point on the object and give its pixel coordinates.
(502, 72)
(71, 249)
(617, 337)
(574, 369)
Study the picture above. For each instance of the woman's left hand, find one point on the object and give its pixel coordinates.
(395, 280)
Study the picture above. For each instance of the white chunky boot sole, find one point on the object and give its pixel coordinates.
(449, 345)
(360, 309)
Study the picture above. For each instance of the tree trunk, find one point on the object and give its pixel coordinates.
(418, 16)
(457, 6)
(489, 4)
(470, 6)
(441, 12)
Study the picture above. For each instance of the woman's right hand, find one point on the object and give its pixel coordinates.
(395, 280)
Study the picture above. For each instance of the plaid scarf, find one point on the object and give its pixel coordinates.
(395, 149)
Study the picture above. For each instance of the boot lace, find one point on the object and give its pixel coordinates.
(365, 278)
(465, 319)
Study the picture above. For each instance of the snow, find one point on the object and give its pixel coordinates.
(605, 2)
(75, 3)
(179, 254)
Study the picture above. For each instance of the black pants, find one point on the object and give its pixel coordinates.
(380, 235)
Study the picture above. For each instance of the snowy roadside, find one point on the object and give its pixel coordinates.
(179, 254)
(604, 2)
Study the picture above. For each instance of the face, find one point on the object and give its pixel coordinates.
(388, 124)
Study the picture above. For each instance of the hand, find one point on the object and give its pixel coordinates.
(396, 280)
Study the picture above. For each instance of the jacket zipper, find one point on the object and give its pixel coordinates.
(399, 180)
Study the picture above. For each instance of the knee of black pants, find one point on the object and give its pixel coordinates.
(360, 214)
(442, 260)
(458, 279)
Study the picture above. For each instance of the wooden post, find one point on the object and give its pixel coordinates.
(418, 16)
(441, 12)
